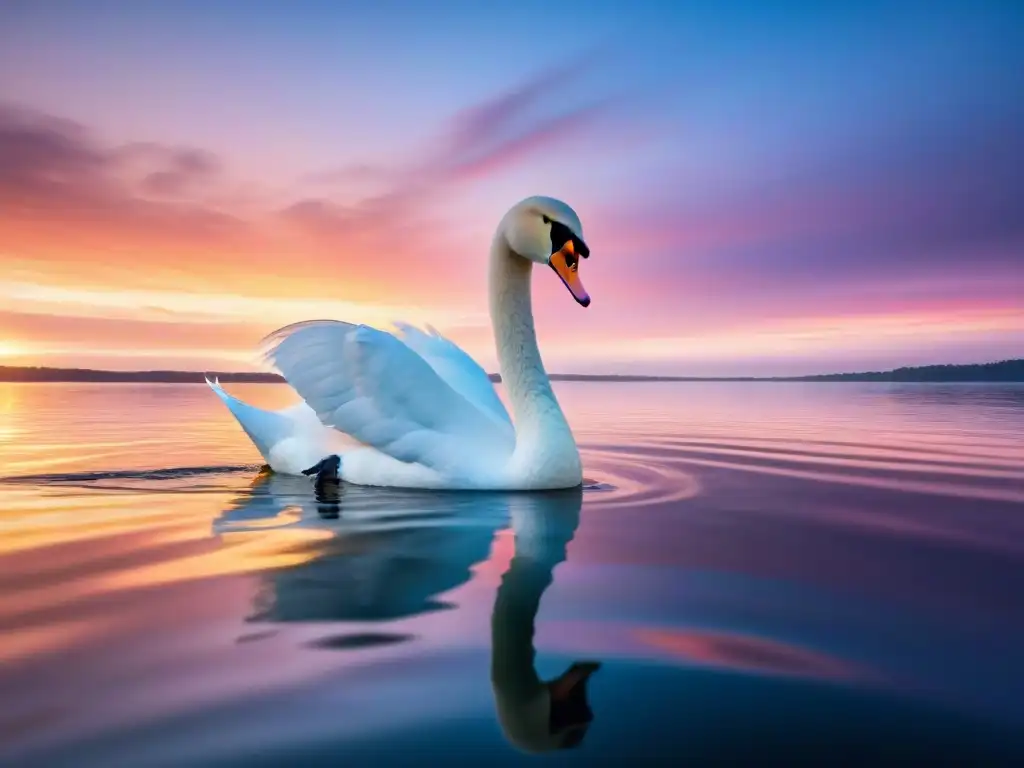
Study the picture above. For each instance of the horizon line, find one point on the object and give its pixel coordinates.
(268, 377)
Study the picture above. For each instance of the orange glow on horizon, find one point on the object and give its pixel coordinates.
(109, 295)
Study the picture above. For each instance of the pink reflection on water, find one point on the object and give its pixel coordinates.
(702, 647)
(745, 653)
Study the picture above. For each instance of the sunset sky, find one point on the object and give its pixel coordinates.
(766, 188)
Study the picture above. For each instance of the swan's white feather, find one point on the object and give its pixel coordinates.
(264, 428)
(372, 386)
(460, 371)
(289, 440)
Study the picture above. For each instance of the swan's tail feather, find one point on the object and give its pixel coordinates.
(264, 428)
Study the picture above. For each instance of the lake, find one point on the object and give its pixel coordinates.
(765, 572)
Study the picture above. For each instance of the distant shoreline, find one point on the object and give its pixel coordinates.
(1002, 371)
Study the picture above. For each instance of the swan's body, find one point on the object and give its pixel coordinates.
(425, 412)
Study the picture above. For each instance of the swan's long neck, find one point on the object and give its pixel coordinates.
(539, 418)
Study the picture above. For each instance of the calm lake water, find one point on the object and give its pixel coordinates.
(765, 572)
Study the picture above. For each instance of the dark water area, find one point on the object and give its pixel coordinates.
(752, 574)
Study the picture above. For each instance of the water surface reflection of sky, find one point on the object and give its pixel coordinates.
(754, 563)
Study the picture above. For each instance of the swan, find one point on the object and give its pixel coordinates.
(423, 412)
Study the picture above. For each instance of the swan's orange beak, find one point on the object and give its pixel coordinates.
(566, 265)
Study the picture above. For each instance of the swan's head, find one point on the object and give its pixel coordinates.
(547, 231)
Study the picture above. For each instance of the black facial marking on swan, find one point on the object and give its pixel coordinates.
(561, 234)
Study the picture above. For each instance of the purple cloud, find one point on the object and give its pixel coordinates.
(906, 216)
(479, 141)
(54, 167)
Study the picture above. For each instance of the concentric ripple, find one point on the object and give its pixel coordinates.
(664, 461)
(624, 478)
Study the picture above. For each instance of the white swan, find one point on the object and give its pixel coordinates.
(426, 414)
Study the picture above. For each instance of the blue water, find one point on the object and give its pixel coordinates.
(765, 573)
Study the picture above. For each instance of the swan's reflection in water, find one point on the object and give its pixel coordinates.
(386, 555)
(536, 716)
(394, 552)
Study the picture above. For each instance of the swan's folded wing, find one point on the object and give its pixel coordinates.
(457, 368)
(373, 387)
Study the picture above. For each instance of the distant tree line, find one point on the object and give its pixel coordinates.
(36, 374)
(1003, 371)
